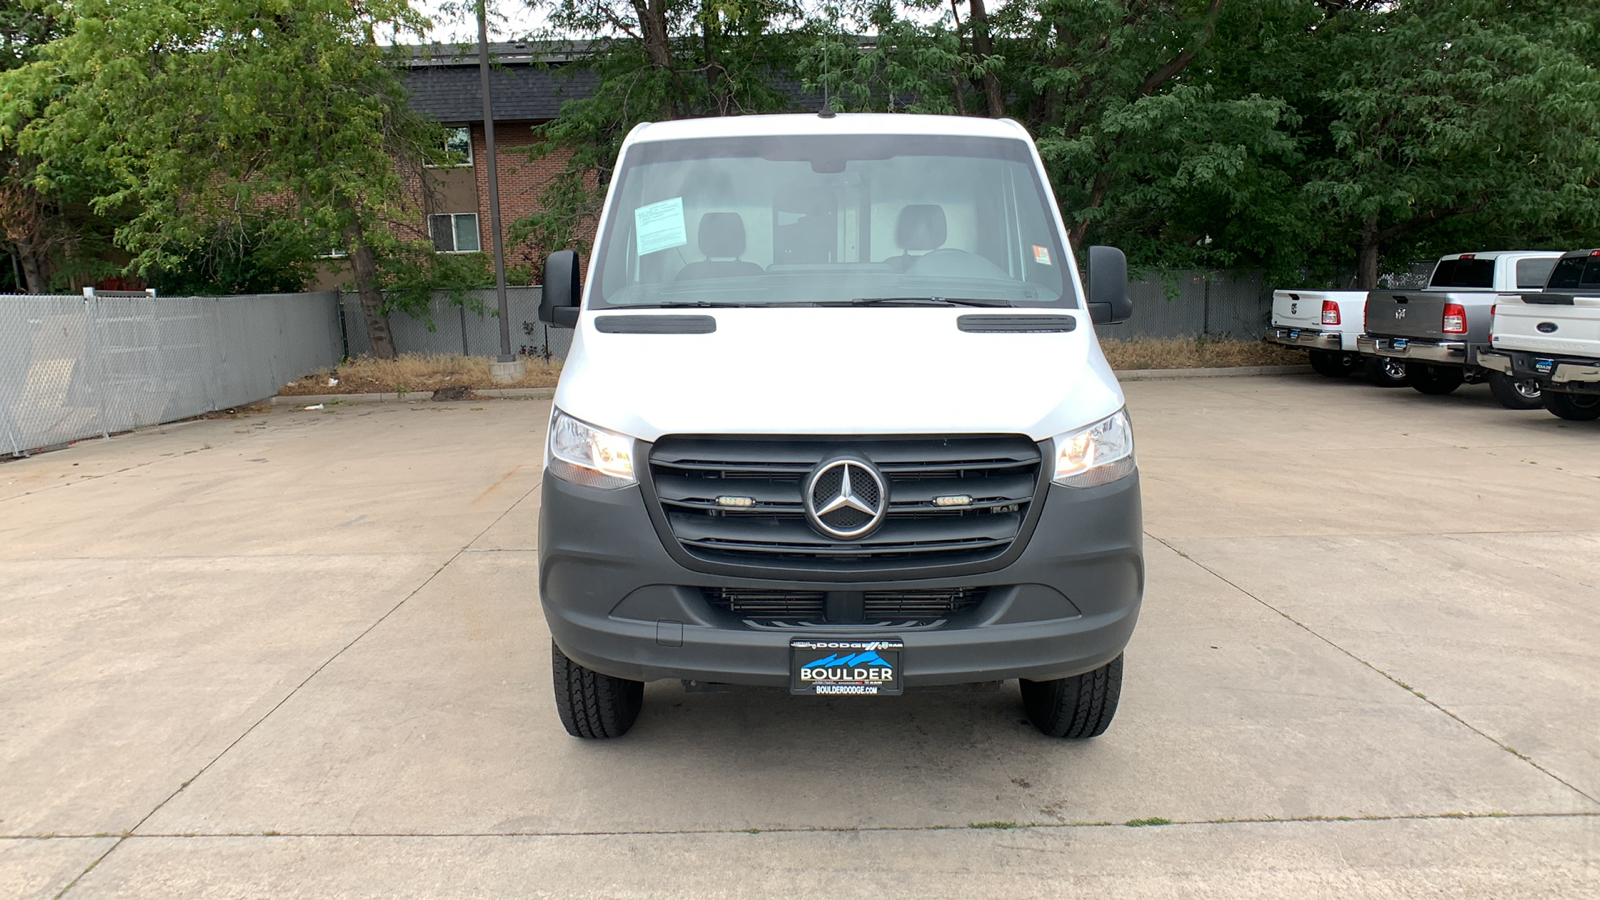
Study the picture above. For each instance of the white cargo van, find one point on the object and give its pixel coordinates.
(835, 420)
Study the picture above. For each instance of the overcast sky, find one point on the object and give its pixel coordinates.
(508, 20)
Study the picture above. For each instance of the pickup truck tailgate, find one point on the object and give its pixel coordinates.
(1558, 324)
(1420, 314)
(1298, 309)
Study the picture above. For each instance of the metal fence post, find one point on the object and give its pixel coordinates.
(91, 330)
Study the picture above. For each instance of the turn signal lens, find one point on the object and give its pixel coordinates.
(1330, 312)
(1455, 319)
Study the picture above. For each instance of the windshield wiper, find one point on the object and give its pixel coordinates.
(706, 304)
(919, 301)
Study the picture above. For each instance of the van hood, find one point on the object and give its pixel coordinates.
(808, 370)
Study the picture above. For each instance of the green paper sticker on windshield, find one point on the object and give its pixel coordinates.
(659, 226)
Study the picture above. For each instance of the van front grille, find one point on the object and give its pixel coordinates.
(994, 476)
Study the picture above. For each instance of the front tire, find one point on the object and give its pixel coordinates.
(1434, 380)
(1515, 393)
(1078, 707)
(1573, 407)
(1386, 371)
(592, 705)
(1331, 364)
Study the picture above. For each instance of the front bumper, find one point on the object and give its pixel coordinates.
(1450, 353)
(617, 603)
(1305, 339)
(1553, 372)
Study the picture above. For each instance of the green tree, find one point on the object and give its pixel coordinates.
(656, 60)
(1453, 123)
(235, 114)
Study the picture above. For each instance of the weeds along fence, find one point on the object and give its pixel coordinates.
(73, 367)
(470, 329)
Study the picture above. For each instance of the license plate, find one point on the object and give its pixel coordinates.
(1399, 343)
(1544, 366)
(1294, 335)
(831, 667)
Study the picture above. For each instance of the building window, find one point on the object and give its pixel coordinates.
(457, 146)
(455, 232)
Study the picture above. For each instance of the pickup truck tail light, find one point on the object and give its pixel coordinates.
(1455, 319)
(1492, 308)
(1330, 312)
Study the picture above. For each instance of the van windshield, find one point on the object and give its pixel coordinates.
(848, 219)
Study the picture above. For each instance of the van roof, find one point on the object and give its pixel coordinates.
(812, 124)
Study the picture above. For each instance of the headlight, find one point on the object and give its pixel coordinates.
(586, 455)
(1096, 455)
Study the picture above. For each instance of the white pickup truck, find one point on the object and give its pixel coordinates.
(1438, 331)
(1328, 324)
(1554, 337)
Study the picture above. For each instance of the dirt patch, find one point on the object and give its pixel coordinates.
(1191, 353)
(416, 373)
(453, 392)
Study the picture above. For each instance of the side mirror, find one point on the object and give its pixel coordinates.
(558, 304)
(1108, 286)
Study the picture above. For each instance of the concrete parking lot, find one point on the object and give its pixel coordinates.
(299, 654)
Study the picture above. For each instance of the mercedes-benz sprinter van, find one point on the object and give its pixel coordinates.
(835, 420)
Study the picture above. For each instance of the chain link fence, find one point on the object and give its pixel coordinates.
(1172, 304)
(1187, 303)
(73, 367)
(460, 328)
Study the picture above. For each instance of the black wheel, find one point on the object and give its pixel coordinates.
(1078, 707)
(592, 705)
(1574, 407)
(1431, 379)
(1515, 393)
(1331, 364)
(1386, 371)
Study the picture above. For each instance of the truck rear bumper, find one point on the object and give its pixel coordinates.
(1304, 339)
(1450, 353)
(1581, 375)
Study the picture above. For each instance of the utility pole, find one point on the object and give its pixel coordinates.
(508, 367)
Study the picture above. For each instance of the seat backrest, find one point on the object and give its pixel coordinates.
(721, 243)
(921, 227)
(721, 235)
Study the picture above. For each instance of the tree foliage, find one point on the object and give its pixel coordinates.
(1298, 136)
(274, 118)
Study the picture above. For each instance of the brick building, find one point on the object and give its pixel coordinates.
(528, 83)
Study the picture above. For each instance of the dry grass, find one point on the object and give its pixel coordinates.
(417, 373)
(425, 373)
(1193, 353)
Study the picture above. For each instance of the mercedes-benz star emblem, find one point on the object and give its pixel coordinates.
(845, 498)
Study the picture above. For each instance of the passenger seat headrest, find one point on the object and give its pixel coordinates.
(721, 235)
(921, 227)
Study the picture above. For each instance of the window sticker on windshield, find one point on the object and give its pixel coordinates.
(1041, 255)
(659, 226)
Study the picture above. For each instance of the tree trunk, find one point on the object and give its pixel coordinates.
(35, 269)
(983, 49)
(365, 266)
(1367, 257)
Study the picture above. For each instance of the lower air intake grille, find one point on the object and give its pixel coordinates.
(811, 607)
